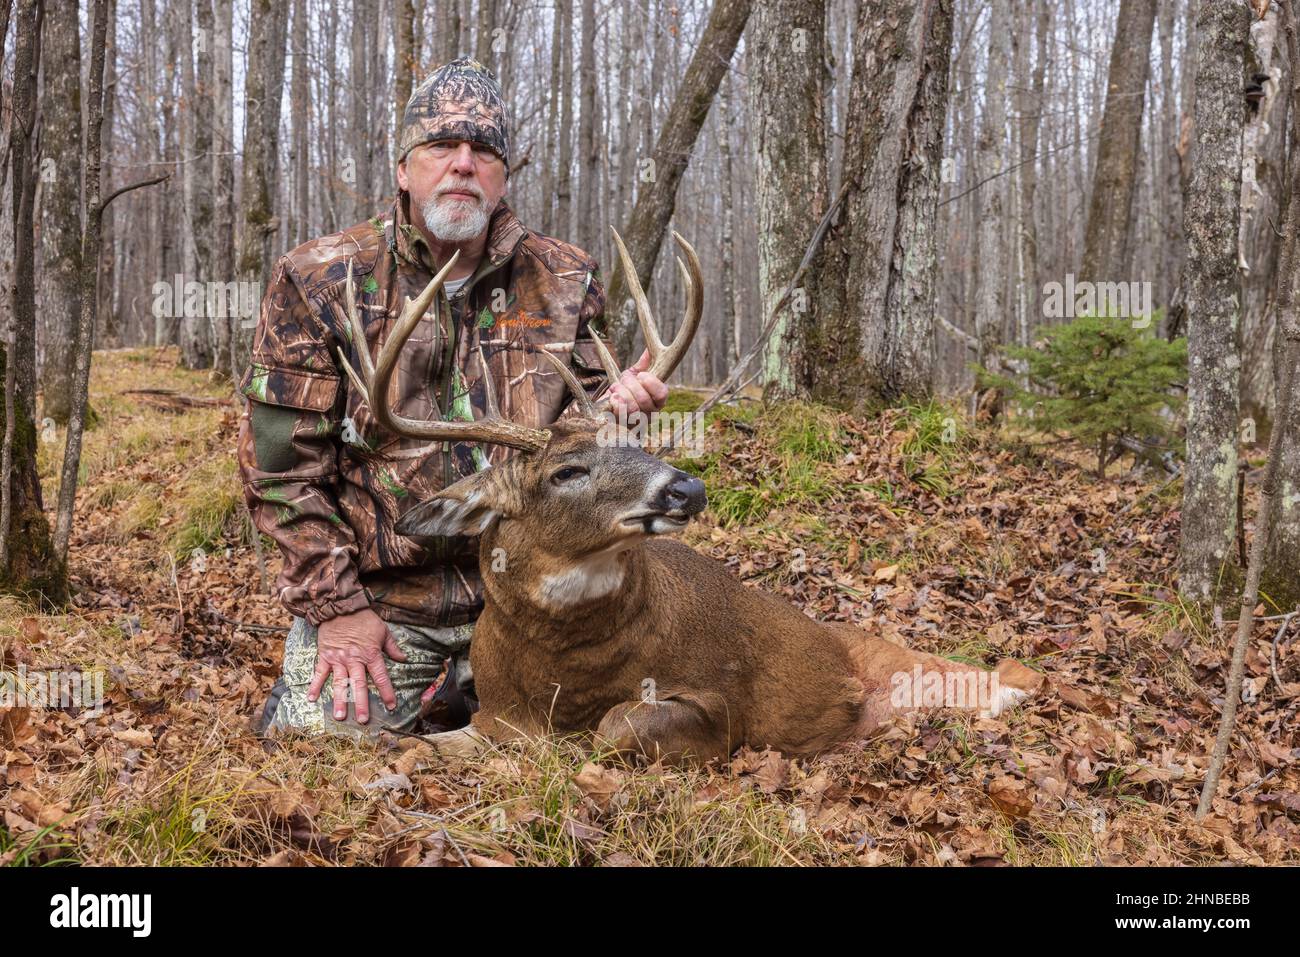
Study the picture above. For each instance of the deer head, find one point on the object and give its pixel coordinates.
(572, 500)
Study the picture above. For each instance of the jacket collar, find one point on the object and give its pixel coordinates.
(505, 233)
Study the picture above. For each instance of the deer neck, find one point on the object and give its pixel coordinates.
(528, 584)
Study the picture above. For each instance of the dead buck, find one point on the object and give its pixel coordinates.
(598, 623)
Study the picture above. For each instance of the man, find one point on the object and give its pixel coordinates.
(382, 623)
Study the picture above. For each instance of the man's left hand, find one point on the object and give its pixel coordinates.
(638, 389)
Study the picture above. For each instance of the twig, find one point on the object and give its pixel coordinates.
(1272, 652)
(133, 186)
(245, 625)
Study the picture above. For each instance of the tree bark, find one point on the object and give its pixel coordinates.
(1110, 214)
(787, 91)
(197, 331)
(990, 163)
(60, 206)
(85, 330)
(30, 566)
(1211, 220)
(869, 336)
(261, 138)
(223, 176)
(589, 146)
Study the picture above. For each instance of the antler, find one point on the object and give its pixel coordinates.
(375, 378)
(663, 359)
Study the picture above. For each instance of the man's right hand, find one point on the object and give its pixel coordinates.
(349, 646)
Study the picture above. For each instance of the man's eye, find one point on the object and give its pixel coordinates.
(567, 473)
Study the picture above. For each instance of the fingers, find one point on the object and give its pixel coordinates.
(318, 679)
(360, 694)
(340, 691)
(392, 649)
(379, 675)
(629, 385)
(643, 363)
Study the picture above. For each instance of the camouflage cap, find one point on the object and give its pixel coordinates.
(461, 100)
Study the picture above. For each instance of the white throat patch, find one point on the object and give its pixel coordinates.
(593, 578)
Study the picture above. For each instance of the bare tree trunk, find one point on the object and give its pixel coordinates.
(302, 110)
(90, 254)
(359, 117)
(871, 332)
(1211, 220)
(786, 94)
(654, 206)
(589, 147)
(405, 60)
(1263, 173)
(990, 164)
(564, 175)
(1031, 108)
(261, 138)
(106, 326)
(223, 177)
(60, 206)
(30, 565)
(198, 333)
(728, 353)
(1111, 213)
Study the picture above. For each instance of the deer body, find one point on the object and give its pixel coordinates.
(594, 623)
(680, 650)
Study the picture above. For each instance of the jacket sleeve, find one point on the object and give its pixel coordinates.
(288, 454)
(586, 360)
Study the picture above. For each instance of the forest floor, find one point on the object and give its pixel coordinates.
(912, 523)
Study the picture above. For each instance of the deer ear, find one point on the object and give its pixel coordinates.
(462, 508)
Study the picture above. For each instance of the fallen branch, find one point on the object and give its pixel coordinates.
(961, 335)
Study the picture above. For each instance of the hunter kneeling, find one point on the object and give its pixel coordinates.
(383, 622)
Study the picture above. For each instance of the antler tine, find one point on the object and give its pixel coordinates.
(664, 359)
(378, 376)
(664, 364)
(606, 359)
(571, 380)
(643, 314)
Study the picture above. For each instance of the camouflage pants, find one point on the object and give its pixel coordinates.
(428, 651)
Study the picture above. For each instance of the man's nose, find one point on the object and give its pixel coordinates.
(463, 159)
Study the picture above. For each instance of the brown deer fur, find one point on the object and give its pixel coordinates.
(593, 623)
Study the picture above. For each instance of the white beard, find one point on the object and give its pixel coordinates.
(454, 220)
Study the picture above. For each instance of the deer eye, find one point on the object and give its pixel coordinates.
(568, 473)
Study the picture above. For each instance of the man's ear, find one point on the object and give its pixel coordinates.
(463, 508)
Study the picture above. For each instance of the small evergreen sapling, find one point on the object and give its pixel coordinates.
(1100, 381)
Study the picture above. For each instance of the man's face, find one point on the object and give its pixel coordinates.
(454, 186)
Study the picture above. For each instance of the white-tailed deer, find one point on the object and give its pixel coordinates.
(594, 622)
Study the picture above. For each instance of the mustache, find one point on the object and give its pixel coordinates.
(467, 186)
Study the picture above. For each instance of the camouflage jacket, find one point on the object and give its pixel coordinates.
(324, 480)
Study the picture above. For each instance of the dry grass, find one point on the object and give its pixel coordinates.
(170, 774)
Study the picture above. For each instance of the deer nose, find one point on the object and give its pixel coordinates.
(685, 493)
